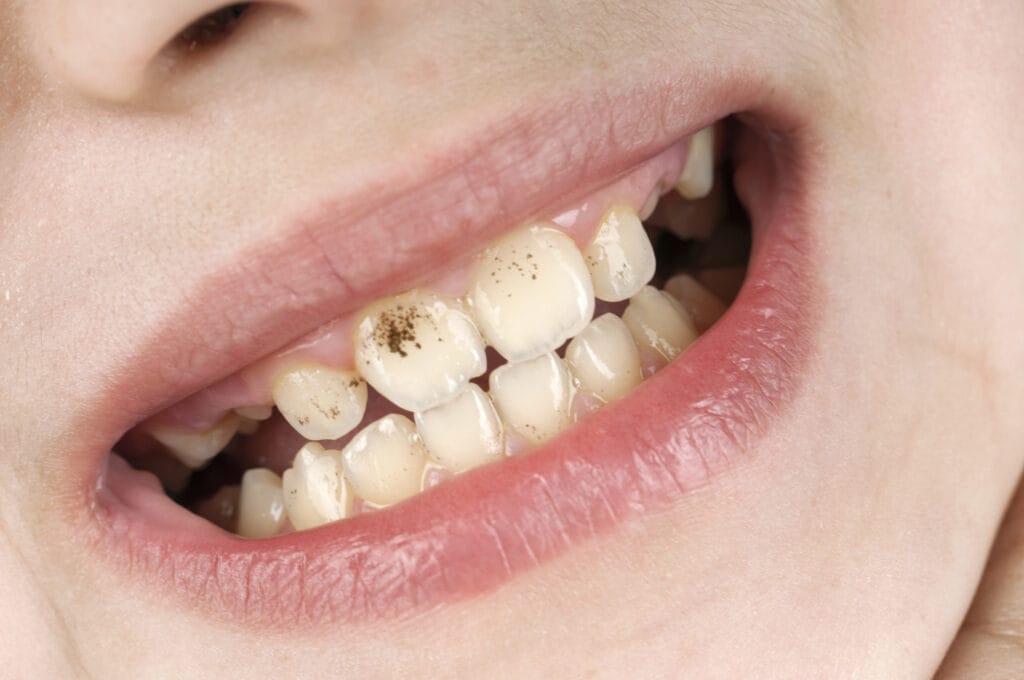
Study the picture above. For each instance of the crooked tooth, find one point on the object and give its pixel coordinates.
(320, 402)
(463, 433)
(534, 397)
(531, 292)
(701, 304)
(418, 350)
(261, 511)
(196, 449)
(314, 488)
(385, 461)
(659, 323)
(604, 359)
(620, 257)
(699, 173)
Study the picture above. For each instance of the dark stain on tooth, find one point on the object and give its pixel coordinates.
(396, 329)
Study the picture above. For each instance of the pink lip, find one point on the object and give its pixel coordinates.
(479, 530)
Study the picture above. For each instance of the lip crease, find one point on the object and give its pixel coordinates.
(473, 533)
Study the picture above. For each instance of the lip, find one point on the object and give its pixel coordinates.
(484, 527)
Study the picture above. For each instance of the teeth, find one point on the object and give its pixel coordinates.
(464, 433)
(196, 449)
(418, 350)
(531, 292)
(701, 304)
(658, 322)
(314, 488)
(256, 413)
(221, 508)
(321, 403)
(260, 504)
(534, 397)
(620, 258)
(699, 174)
(385, 461)
(723, 282)
(604, 359)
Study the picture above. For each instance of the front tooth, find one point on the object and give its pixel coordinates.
(464, 433)
(418, 350)
(320, 402)
(604, 359)
(196, 449)
(385, 461)
(659, 323)
(534, 397)
(699, 173)
(260, 504)
(620, 258)
(701, 304)
(531, 292)
(314, 487)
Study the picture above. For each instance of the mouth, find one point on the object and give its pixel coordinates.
(476, 374)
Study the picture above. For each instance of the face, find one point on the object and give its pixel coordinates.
(333, 208)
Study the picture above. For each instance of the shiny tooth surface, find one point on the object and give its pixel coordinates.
(620, 256)
(321, 402)
(261, 511)
(699, 173)
(534, 397)
(385, 461)
(463, 433)
(701, 304)
(418, 350)
(314, 488)
(658, 322)
(604, 359)
(196, 449)
(531, 292)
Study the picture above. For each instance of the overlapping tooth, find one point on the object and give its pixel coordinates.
(196, 449)
(531, 292)
(463, 433)
(701, 304)
(261, 511)
(659, 323)
(320, 402)
(385, 461)
(604, 359)
(534, 397)
(699, 173)
(418, 350)
(620, 256)
(314, 488)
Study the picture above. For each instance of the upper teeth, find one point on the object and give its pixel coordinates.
(620, 258)
(699, 174)
(196, 449)
(320, 402)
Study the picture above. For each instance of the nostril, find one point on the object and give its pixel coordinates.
(210, 29)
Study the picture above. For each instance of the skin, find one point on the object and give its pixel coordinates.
(859, 557)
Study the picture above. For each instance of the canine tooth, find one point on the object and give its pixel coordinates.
(418, 350)
(531, 292)
(620, 257)
(604, 359)
(196, 449)
(385, 461)
(534, 397)
(314, 487)
(321, 402)
(463, 433)
(701, 304)
(699, 173)
(260, 504)
(658, 322)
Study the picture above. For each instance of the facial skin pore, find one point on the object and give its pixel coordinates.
(849, 542)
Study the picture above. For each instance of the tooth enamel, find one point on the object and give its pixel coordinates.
(534, 397)
(260, 504)
(658, 322)
(196, 449)
(418, 350)
(255, 412)
(649, 205)
(531, 292)
(463, 433)
(221, 508)
(620, 257)
(701, 304)
(699, 174)
(314, 488)
(385, 461)
(320, 402)
(604, 359)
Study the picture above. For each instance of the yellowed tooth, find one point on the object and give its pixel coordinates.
(261, 512)
(658, 322)
(257, 413)
(620, 256)
(699, 174)
(701, 304)
(314, 488)
(385, 461)
(604, 359)
(196, 449)
(463, 433)
(320, 402)
(534, 397)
